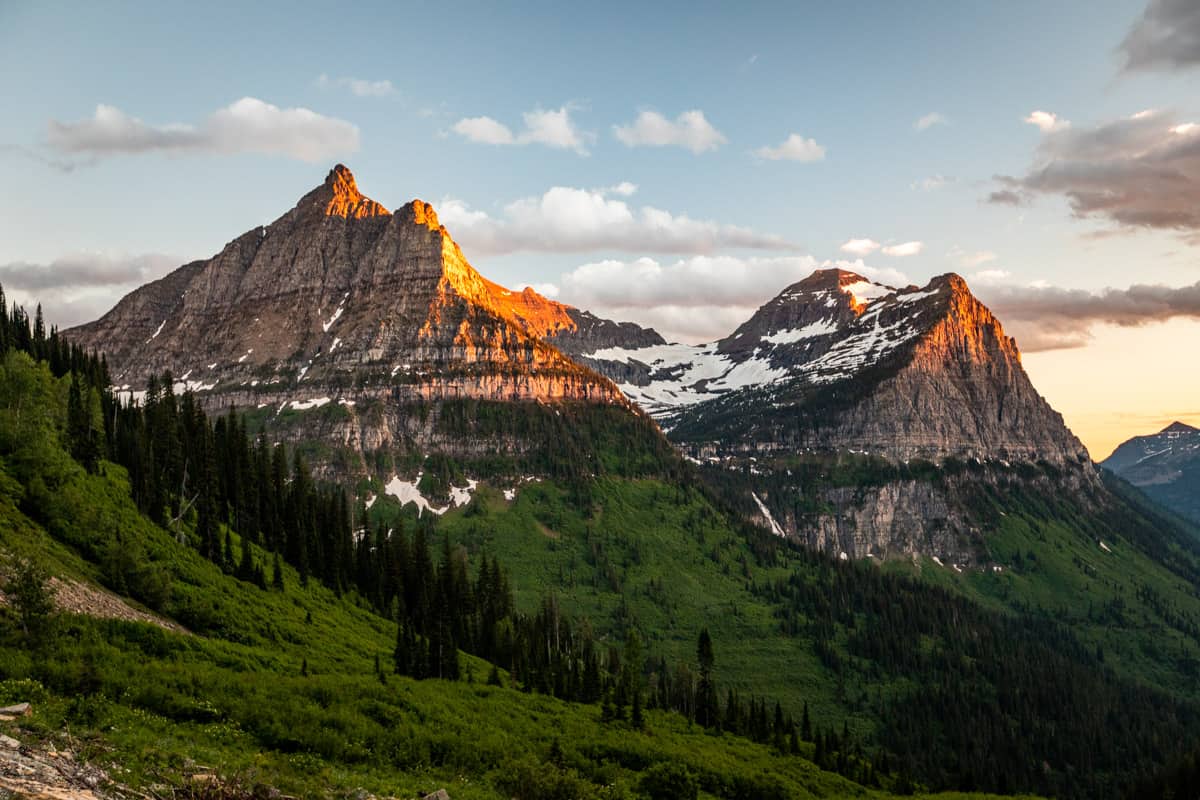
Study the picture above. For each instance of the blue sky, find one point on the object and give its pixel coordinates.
(849, 80)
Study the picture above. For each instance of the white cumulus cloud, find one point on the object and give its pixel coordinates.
(358, 87)
(248, 125)
(553, 128)
(564, 219)
(860, 247)
(904, 249)
(689, 130)
(1047, 121)
(794, 148)
(484, 130)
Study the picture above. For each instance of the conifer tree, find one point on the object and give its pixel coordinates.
(706, 695)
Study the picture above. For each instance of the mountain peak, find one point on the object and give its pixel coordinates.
(951, 280)
(419, 213)
(339, 196)
(339, 174)
(1179, 427)
(832, 278)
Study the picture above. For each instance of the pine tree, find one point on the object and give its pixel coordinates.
(246, 567)
(227, 554)
(39, 334)
(29, 592)
(706, 695)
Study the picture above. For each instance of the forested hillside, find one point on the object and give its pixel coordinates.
(382, 647)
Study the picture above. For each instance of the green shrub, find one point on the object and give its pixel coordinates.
(668, 780)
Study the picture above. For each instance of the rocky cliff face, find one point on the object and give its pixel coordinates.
(839, 366)
(1164, 465)
(341, 303)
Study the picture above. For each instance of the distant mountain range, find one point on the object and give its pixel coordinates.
(360, 333)
(1164, 465)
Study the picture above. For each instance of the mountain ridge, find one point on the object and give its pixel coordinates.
(1164, 465)
(361, 334)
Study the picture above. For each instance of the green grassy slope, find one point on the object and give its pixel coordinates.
(232, 693)
(655, 557)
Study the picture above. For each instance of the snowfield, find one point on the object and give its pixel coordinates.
(682, 375)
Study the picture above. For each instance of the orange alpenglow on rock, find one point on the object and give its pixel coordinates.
(346, 200)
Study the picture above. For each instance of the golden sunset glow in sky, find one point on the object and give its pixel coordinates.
(1127, 382)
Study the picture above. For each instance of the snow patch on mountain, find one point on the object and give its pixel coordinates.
(859, 350)
(794, 335)
(409, 492)
(766, 512)
(305, 405)
(864, 292)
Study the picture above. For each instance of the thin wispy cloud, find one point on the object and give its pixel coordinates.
(932, 183)
(987, 276)
(929, 120)
(358, 86)
(248, 125)
(903, 250)
(553, 128)
(1008, 197)
(63, 165)
(82, 285)
(570, 220)
(86, 269)
(971, 259)
(794, 148)
(690, 130)
(1052, 318)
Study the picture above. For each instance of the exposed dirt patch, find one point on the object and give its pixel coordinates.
(549, 533)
